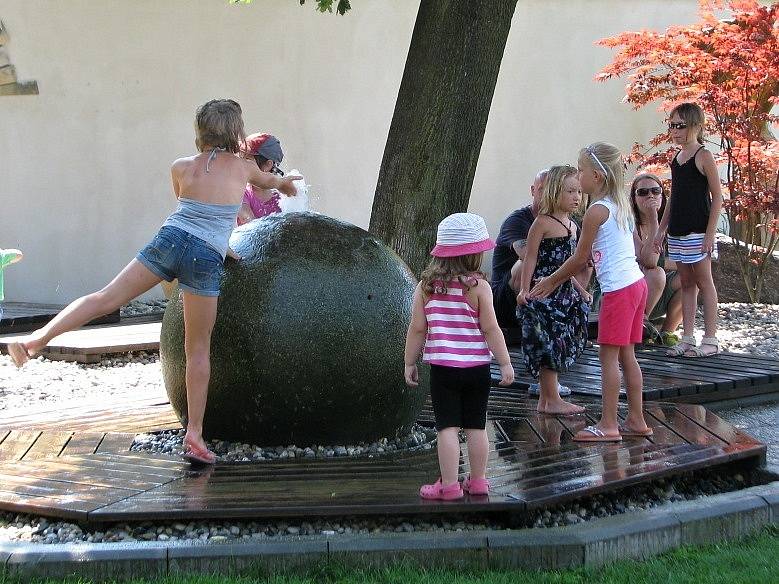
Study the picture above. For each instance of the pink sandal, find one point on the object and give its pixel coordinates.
(476, 486)
(197, 455)
(439, 492)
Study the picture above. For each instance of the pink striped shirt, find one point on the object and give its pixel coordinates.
(454, 338)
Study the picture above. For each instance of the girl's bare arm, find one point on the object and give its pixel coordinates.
(533, 242)
(267, 180)
(595, 216)
(415, 337)
(488, 323)
(715, 188)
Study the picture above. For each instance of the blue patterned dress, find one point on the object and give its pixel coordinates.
(554, 329)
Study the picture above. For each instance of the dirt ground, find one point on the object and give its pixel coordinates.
(730, 283)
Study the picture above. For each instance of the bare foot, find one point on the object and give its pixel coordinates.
(636, 426)
(561, 407)
(25, 349)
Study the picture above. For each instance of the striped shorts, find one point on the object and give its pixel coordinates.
(686, 249)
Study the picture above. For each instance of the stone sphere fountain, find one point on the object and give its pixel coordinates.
(308, 342)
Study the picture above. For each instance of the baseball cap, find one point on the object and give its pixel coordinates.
(265, 145)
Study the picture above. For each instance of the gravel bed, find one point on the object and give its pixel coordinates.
(143, 308)
(44, 384)
(27, 528)
(170, 442)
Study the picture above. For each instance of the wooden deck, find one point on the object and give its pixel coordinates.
(94, 343)
(74, 463)
(26, 316)
(688, 380)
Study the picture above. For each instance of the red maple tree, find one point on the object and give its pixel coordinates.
(728, 63)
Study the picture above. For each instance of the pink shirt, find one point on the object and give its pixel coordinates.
(454, 338)
(260, 208)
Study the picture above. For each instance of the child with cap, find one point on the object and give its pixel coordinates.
(453, 321)
(258, 202)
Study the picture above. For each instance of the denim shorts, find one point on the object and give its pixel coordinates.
(174, 253)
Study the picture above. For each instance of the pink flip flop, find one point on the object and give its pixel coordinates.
(439, 492)
(198, 455)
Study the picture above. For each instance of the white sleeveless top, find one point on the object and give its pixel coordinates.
(613, 253)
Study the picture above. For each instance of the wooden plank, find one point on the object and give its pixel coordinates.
(115, 442)
(680, 424)
(83, 443)
(26, 316)
(48, 444)
(17, 443)
(680, 458)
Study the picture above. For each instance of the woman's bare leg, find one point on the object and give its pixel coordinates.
(199, 318)
(673, 313)
(132, 281)
(655, 281)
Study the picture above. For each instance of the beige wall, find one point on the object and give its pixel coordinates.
(84, 165)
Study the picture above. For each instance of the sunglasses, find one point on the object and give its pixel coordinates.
(677, 125)
(649, 191)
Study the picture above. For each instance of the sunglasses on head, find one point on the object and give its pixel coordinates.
(649, 191)
(677, 125)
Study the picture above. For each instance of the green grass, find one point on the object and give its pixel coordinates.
(753, 560)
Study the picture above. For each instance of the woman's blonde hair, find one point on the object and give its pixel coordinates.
(606, 160)
(553, 188)
(219, 124)
(445, 269)
(693, 116)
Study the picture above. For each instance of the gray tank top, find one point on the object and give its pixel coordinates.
(210, 222)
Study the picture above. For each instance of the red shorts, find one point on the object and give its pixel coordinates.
(621, 318)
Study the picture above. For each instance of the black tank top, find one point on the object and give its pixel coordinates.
(691, 203)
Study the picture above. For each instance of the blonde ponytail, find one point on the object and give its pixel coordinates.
(606, 159)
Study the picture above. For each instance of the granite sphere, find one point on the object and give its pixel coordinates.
(308, 342)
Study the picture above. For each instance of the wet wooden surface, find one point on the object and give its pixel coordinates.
(76, 463)
(690, 380)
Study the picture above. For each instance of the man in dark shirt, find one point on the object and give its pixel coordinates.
(509, 253)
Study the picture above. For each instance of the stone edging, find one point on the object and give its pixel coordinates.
(636, 535)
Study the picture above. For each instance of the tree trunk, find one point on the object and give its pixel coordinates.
(438, 125)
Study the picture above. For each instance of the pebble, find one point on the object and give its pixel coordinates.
(143, 308)
(171, 442)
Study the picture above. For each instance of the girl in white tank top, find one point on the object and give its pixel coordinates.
(607, 237)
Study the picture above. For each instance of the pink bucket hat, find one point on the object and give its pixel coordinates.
(462, 234)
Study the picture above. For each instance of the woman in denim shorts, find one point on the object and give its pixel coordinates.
(190, 246)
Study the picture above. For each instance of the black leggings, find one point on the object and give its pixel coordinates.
(459, 396)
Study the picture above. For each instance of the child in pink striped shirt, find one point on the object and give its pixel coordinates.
(454, 321)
